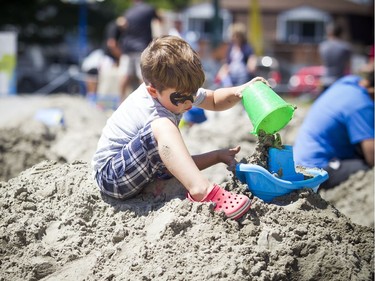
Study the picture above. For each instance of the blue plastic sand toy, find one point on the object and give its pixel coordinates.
(280, 178)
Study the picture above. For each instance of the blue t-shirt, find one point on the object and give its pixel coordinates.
(339, 119)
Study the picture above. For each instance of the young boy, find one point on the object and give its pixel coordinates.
(142, 138)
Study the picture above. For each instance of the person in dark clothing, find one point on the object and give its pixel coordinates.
(113, 34)
(335, 54)
(137, 36)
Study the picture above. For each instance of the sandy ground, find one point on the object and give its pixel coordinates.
(55, 225)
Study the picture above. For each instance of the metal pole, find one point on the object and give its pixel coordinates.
(82, 30)
(216, 24)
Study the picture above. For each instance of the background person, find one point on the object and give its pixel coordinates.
(369, 66)
(113, 34)
(137, 36)
(177, 27)
(240, 64)
(335, 54)
(108, 93)
(101, 64)
(338, 131)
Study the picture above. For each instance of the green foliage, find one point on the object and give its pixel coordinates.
(48, 21)
(45, 21)
(175, 5)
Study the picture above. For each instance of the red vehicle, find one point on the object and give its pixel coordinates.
(306, 81)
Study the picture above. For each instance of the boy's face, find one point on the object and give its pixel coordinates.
(172, 100)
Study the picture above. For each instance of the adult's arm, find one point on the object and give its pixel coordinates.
(368, 151)
(252, 63)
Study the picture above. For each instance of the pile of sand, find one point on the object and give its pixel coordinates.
(25, 141)
(55, 225)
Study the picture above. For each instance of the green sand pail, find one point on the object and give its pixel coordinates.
(266, 109)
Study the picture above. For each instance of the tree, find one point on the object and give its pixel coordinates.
(49, 21)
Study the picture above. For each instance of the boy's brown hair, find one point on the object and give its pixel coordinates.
(170, 62)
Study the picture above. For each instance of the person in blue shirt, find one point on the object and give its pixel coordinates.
(337, 134)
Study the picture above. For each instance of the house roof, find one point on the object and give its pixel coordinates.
(331, 6)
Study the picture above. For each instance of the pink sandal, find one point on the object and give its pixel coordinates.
(233, 205)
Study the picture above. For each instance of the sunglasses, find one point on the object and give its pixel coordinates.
(177, 98)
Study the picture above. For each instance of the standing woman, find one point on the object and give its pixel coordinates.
(240, 63)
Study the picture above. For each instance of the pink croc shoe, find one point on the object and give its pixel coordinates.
(233, 205)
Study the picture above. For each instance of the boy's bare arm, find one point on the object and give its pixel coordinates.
(226, 156)
(225, 98)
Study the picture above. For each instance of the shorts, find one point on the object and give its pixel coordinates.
(130, 65)
(136, 164)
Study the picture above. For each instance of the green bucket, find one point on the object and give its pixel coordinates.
(266, 109)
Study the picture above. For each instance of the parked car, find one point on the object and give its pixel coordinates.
(306, 81)
(37, 73)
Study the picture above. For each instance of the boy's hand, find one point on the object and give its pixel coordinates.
(227, 156)
(239, 93)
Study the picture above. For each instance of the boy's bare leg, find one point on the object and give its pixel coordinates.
(177, 159)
